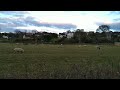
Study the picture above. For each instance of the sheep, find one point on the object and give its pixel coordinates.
(98, 47)
(17, 43)
(61, 45)
(79, 45)
(84, 45)
(18, 50)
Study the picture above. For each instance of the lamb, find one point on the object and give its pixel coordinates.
(18, 50)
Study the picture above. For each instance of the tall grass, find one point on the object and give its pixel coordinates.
(59, 62)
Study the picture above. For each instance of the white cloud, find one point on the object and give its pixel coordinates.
(83, 19)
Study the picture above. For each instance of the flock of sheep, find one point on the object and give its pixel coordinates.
(21, 50)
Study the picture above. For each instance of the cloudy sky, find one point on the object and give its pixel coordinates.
(58, 21)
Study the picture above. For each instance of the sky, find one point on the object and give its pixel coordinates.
(58, 21)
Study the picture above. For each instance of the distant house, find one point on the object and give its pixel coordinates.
(6, 37)
(26, 37)
(61, 35)
(37, 35)
(90, 32)
(70, 35)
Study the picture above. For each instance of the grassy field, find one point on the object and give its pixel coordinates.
(59, 62)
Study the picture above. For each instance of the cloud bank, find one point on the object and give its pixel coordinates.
(22, 19)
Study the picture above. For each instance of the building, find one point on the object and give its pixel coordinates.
(6, 37)
(70, 35)
(61, 35)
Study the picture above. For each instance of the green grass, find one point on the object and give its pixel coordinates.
(59, 62)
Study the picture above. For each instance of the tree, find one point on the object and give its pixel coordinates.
(17, 31)
(106, 30)
(90, 37)
(34, 31)
(25, 31)
(0, 32)
(68, 31)
(19, 35)
(34, 35)
(79, 35)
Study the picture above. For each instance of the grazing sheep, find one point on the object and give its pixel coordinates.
(84, 45)
(17, 43)
(61, 45)
(98, 47)
(18, 50)
(79, 45)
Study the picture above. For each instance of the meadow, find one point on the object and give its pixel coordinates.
(45, 61)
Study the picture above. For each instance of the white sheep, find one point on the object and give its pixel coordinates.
(17, 43)
(79, 45)
(84, 45)
(98, 47)
(61, 45)
(18, 50)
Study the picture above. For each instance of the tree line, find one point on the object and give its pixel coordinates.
(79, 36)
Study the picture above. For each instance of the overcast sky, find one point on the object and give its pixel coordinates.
(58, 21)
